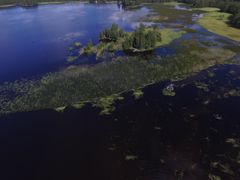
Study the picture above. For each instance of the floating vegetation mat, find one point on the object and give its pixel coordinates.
(100, 82)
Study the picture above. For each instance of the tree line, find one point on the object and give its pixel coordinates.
(29, 2)
(229, 6)
(127, 3)
(123, 2)
(234, 9)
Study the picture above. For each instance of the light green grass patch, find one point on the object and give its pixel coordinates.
(46, 3)
(60, 109)
(173, 3)
(106, 104)
(207, 9)
(77, 44)
(217, 22)
(167, 92)
(168, 35)
(138, 93)
(78, 105)
(71, 58)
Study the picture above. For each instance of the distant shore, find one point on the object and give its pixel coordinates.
(8, 5)
(40, 3)
(48, 3)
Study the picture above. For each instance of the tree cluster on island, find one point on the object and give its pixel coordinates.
(111, 34)
(143, 38)
(114, 38)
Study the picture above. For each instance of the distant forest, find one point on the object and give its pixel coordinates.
(34, 2)
(29, 2)
(229, 6)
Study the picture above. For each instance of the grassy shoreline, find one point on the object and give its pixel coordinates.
(217, 22)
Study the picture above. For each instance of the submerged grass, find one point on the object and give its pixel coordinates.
(202, 86)
(106, 104)
(71, 58)
(168, 35)
(165, 12)
(103, 83)
(138, 93)
(168, 92)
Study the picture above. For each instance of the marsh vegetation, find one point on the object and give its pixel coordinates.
(79, 84)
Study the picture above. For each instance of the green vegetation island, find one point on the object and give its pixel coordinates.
(143, 39)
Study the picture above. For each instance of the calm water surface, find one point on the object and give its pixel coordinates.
(35, 40)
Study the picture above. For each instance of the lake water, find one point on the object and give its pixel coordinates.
(154, 137)
(35, 40)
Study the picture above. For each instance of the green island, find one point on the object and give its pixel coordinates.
(141, 40)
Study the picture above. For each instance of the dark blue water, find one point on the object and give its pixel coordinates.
(35, 40)
(168, 135)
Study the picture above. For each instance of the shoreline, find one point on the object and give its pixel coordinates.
(40, 3)
(5, 6)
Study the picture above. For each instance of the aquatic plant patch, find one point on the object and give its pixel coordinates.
(97, 83)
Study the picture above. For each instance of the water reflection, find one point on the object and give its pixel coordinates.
(30, 43)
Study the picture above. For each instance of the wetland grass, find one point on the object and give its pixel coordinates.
(218, 22)
(100, 83)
